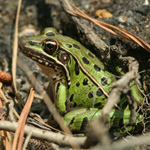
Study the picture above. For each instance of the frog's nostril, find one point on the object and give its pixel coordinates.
(32, 43)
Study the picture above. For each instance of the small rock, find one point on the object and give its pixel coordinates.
(129, 13)
(1, 8)
(131, 20)
(144, 10)
(122, 19)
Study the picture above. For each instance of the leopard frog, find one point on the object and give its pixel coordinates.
(79, 81)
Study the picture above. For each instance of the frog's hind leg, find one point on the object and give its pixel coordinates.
(79, 119)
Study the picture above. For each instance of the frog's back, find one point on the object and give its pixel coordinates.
(83, 67)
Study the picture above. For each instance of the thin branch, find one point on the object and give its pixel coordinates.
(43, 134)
(27, 141)
(127, 143)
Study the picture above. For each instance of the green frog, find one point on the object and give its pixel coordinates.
(80, 82)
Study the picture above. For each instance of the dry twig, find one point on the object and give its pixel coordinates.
(43, 134)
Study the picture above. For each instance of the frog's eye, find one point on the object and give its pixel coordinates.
(50, 46)
(64, 58)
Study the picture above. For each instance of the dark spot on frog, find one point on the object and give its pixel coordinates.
(76, 69)
(97, 68)
(104, 98)
(98, 104)
(85, 81)
(90, 95)
(72, 120)
(74, 105)
(76, 46)
(85, 60)
(71, 97)
(99, 92)
(121, 122)
(103, 81)
(68, 45)
(57, 88)
(77, 84)
(32, 43)
(90, 55)
(84, 123)
(66, 103)
(50, 34)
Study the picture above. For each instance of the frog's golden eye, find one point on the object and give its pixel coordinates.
(64, 58)
(50, 46)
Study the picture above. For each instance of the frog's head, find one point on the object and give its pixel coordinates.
(51, 49)
(48, 48)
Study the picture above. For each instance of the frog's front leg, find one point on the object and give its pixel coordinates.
(61, 97)
(79, 119)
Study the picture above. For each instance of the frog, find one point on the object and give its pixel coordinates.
(80, 83)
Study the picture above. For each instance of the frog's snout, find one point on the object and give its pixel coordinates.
(22, 44)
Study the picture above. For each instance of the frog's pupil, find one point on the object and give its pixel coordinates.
(50, 45)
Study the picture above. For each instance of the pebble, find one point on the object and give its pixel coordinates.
(144, 9)
(1, 8)
(131, 20)
(122, 19)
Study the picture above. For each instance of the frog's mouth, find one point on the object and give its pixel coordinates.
(43, 59)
